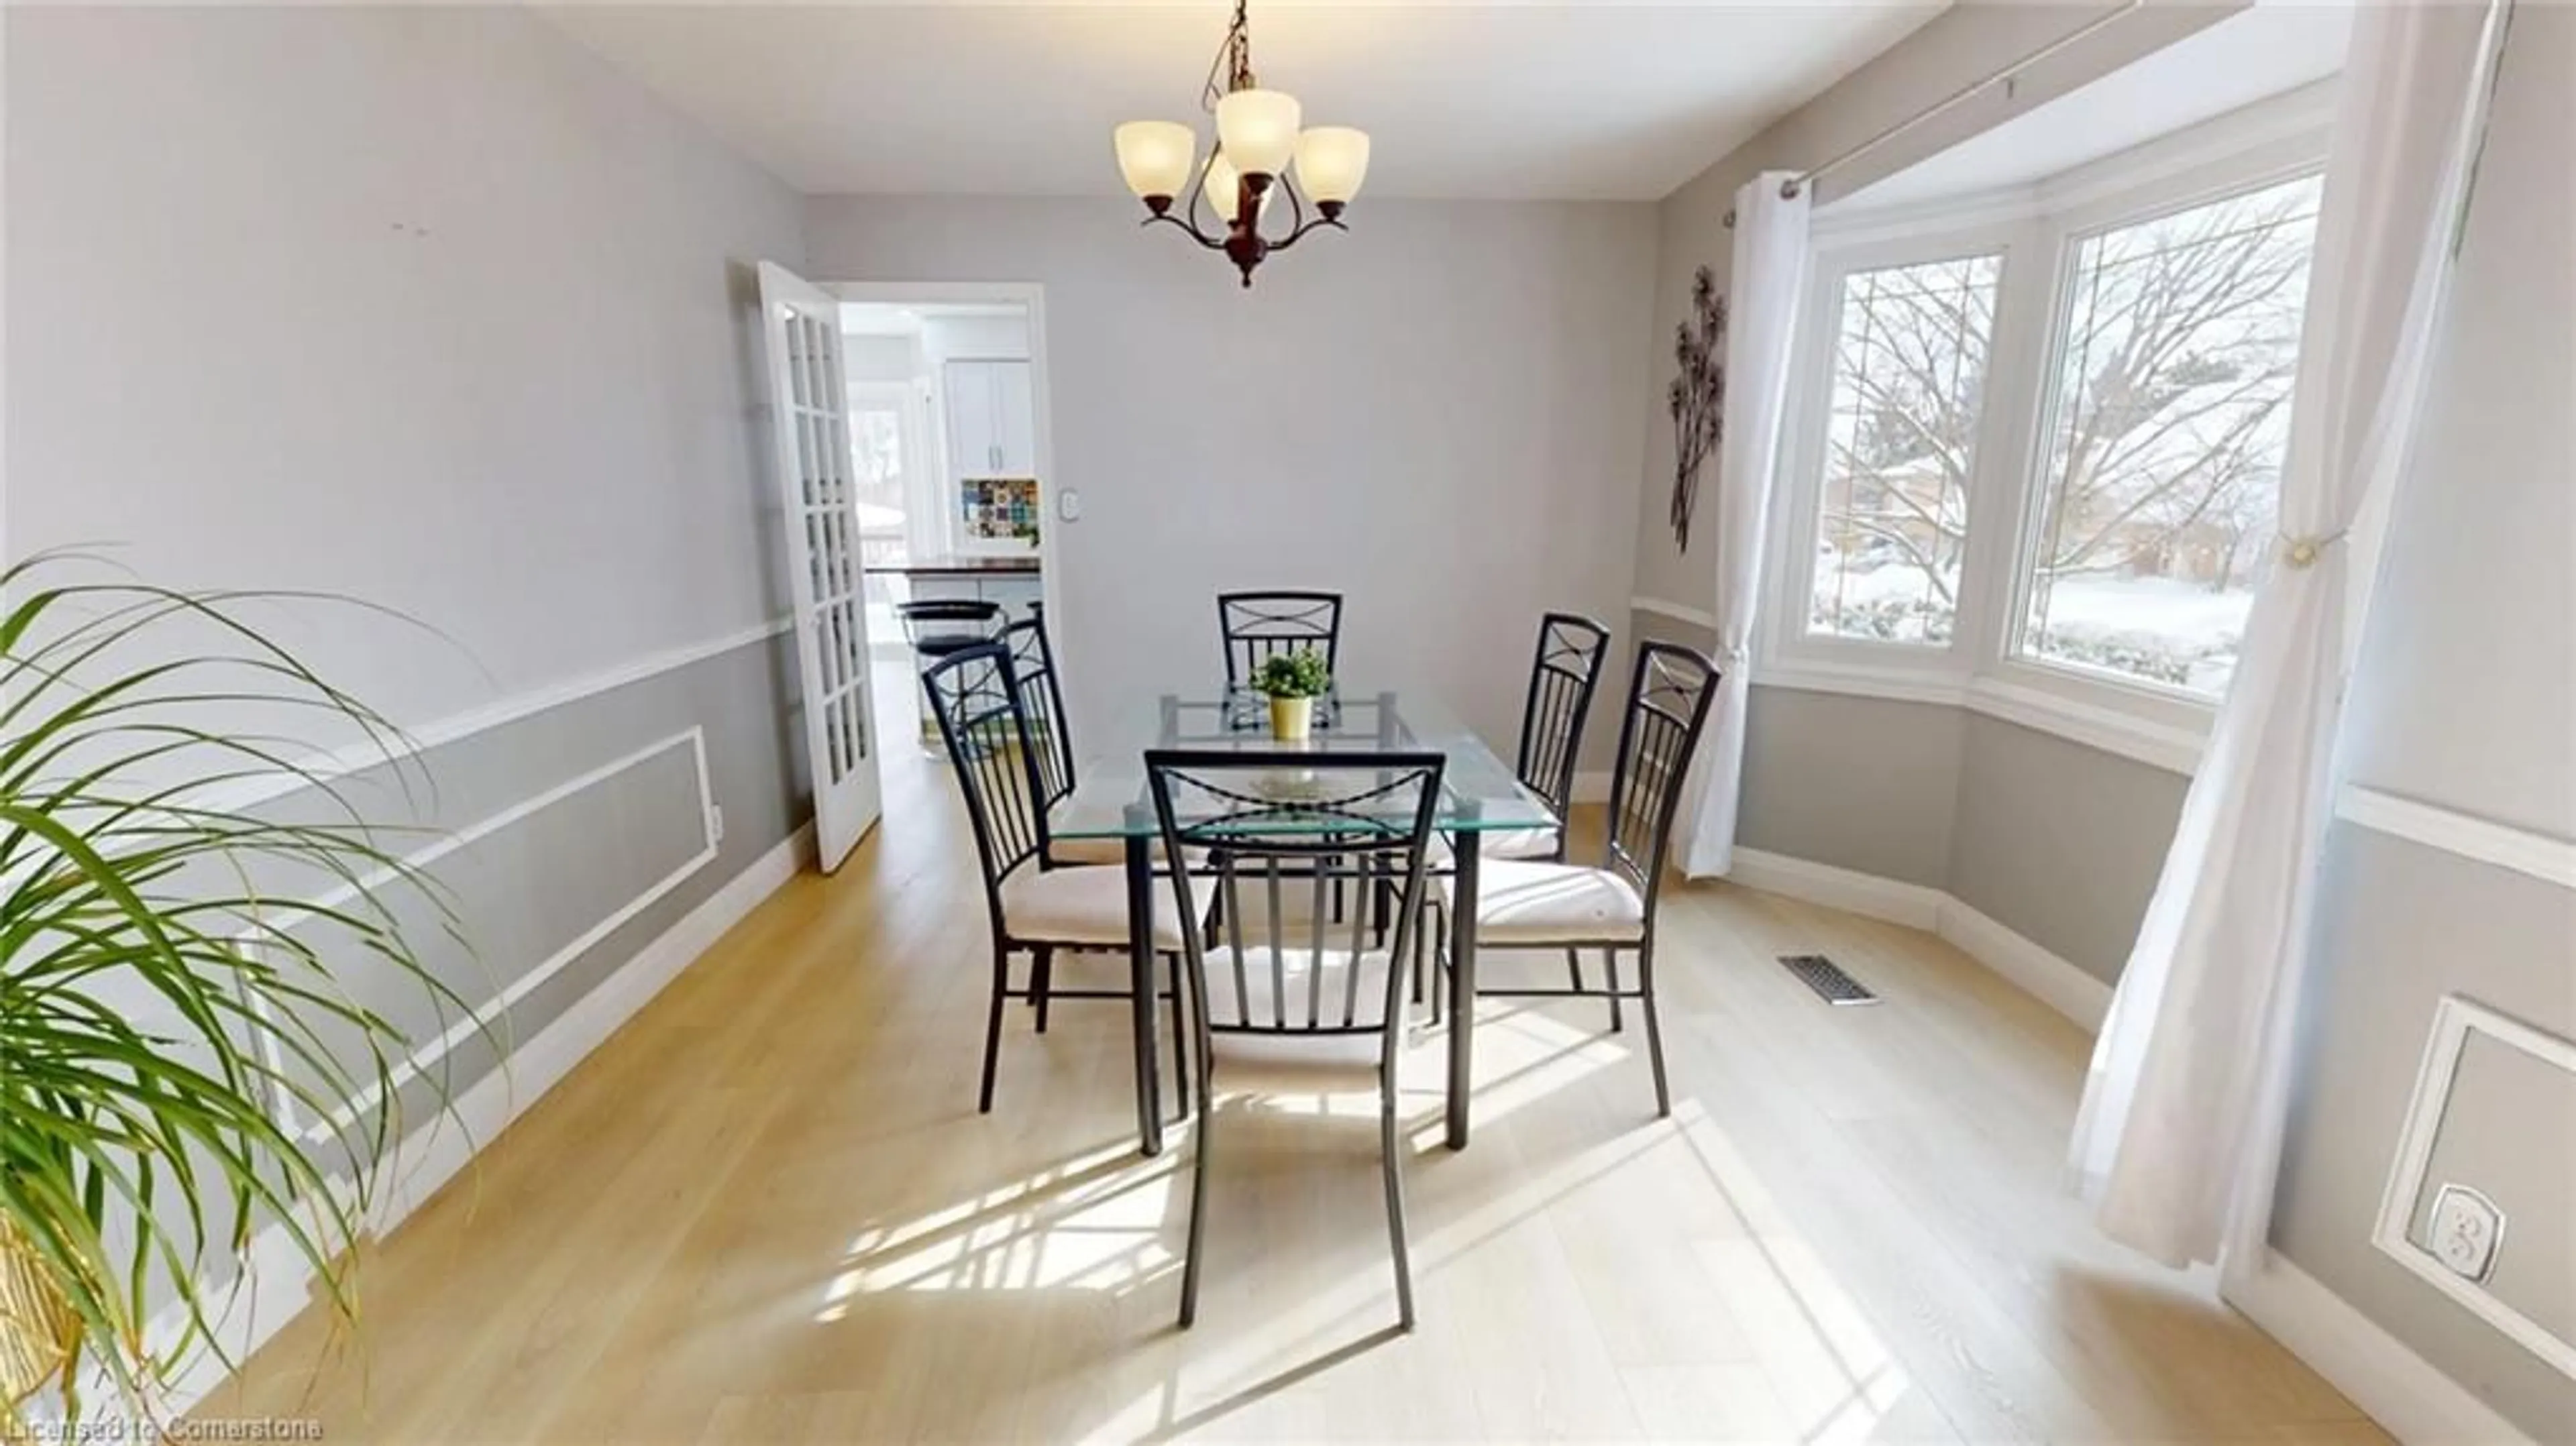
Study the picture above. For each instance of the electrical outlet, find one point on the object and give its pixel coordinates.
(2467, 1230)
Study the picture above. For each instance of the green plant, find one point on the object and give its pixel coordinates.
(171, 970)
(1299, 673)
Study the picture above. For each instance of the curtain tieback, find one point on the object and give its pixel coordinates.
(2302, 552)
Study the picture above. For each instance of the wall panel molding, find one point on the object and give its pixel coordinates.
(320, 1133)
(2454, 1020)
(276, 1278)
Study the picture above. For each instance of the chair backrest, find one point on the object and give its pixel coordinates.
(936, 619)
(1258, 625)
(1275, 841)
(1041, 707)
(1668, 701)
(988, 742)
(1562, 678)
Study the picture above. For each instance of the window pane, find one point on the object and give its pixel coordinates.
(1900, 436)
(2168, 419)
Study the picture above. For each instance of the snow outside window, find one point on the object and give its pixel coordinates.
(2168, 412)
(1908, 384)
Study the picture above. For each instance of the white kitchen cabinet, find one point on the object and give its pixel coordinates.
(992, 419)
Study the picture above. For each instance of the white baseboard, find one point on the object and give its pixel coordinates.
(2399, 1389)
(2052, 980)
(2058, 984)
(1853, 892)
(276, 1280)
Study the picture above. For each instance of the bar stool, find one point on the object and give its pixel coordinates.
(936, 628)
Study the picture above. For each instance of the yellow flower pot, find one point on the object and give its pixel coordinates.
(1292, 720)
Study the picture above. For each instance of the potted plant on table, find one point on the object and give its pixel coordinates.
(1292, 681)
(185, 903)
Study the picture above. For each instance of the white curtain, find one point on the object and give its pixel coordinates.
(2178, 1140)
(1762, 292)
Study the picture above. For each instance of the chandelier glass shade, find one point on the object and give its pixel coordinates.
(1263, 148)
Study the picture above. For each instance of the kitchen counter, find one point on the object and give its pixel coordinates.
(959, 567)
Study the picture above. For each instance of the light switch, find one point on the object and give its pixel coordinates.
(1068, 504)
(2467, 1229)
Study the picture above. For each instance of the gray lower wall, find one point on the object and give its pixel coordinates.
(2055, 840)
(2400, 925)
(2059, 842)
(1865, 784)
(2464, 699)
(1868, 784)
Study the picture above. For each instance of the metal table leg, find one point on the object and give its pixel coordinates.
(1140, 970)
(1462, 1000)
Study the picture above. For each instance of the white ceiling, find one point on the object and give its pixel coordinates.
(2254, 54)
(1525, 101)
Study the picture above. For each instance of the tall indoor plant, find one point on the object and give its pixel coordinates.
(171, 977)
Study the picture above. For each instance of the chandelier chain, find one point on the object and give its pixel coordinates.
(1232, 69)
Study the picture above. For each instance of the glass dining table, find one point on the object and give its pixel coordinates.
(1479, 794)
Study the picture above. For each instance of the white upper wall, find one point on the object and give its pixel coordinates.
(1434, 413)
(2248, 57)
(1966, 44)
(2465, 695)
(1579, 101)
(975, 338)
(424, 305)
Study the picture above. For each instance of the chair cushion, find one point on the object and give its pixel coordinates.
(1085, 905)
(1529, 903)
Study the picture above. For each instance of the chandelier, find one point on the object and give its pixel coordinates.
(1257, 138)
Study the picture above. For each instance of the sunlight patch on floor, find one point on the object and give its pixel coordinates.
(1086, 1224)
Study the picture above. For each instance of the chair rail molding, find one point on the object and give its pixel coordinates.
(1678, 612)
(2502, 845)
(411, 742)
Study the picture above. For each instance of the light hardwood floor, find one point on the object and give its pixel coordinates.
(766, 1211)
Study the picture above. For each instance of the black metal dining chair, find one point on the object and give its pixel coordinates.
(1281, 982)
(1564, 673)
(1534, 904)
(1036, 906)
(1042, 705)
(1259, 625)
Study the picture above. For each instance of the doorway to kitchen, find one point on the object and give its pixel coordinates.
(954, 483)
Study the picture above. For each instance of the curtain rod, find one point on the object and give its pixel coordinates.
(2004, 76)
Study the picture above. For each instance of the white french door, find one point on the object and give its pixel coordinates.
(818, 501)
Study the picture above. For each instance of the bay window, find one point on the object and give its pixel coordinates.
(1909, 373)
(2034, 444)
(2169, 412)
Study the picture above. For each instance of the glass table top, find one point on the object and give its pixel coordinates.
(1478, 791)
